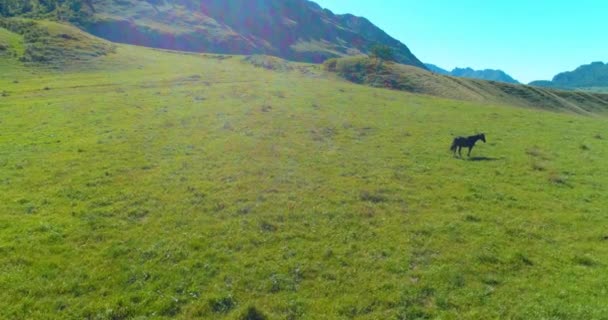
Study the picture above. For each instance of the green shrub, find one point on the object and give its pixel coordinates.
(222, 305)
(382, 52)
(330, 65)
(253, 314)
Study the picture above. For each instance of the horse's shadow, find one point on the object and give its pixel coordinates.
(483, 159)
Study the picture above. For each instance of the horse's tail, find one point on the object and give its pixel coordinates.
(453, 147)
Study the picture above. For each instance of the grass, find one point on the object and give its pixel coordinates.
(11, 44)
(151, 184)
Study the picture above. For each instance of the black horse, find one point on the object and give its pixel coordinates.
(467, 142)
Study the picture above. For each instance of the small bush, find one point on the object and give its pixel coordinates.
(491, 280)
(471, 218)
(267, 227)
(222, 305)
(374, 197)
(253, 314)
(488, 258)
(355, 69)
(170, 308)
(523, 259)
(539, 166)
(558, 179)
(535, 152)
(584, 261)
(330, 65)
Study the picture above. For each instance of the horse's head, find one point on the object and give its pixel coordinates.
(482, 137)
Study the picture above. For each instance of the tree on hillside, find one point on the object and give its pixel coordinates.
(89, 3)
(64, 9)
(13, 7)
(382, 52)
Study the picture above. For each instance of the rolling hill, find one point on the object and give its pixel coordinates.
(396, 76)
(50, 44)
(142, 183)
(297, 30)
(486, 74)
(591, 77)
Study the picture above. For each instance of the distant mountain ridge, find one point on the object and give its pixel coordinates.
(436, 69)
(487, 74)
(586, 76)
(297, 30)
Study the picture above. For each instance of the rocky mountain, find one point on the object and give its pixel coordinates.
(592, 75)
(487, 74)
(436, 69)
(298, 30)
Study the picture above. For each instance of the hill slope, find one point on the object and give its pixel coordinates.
(152, 184)
(486, 74)
(402, 77)
(293, 29)
(49, 43)
(594, 75)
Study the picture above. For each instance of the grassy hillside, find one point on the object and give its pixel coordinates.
(388, 75)
(594, 89)
(50, 44)
(164, 185)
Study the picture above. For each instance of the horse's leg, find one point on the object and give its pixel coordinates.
(459, 151)
(470, 148)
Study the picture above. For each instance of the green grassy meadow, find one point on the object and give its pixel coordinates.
(155, 185)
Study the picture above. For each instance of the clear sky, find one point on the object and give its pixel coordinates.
(528, 39)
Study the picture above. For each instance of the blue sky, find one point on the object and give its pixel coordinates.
(529, 39)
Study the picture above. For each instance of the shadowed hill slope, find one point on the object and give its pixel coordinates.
(402, 77)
